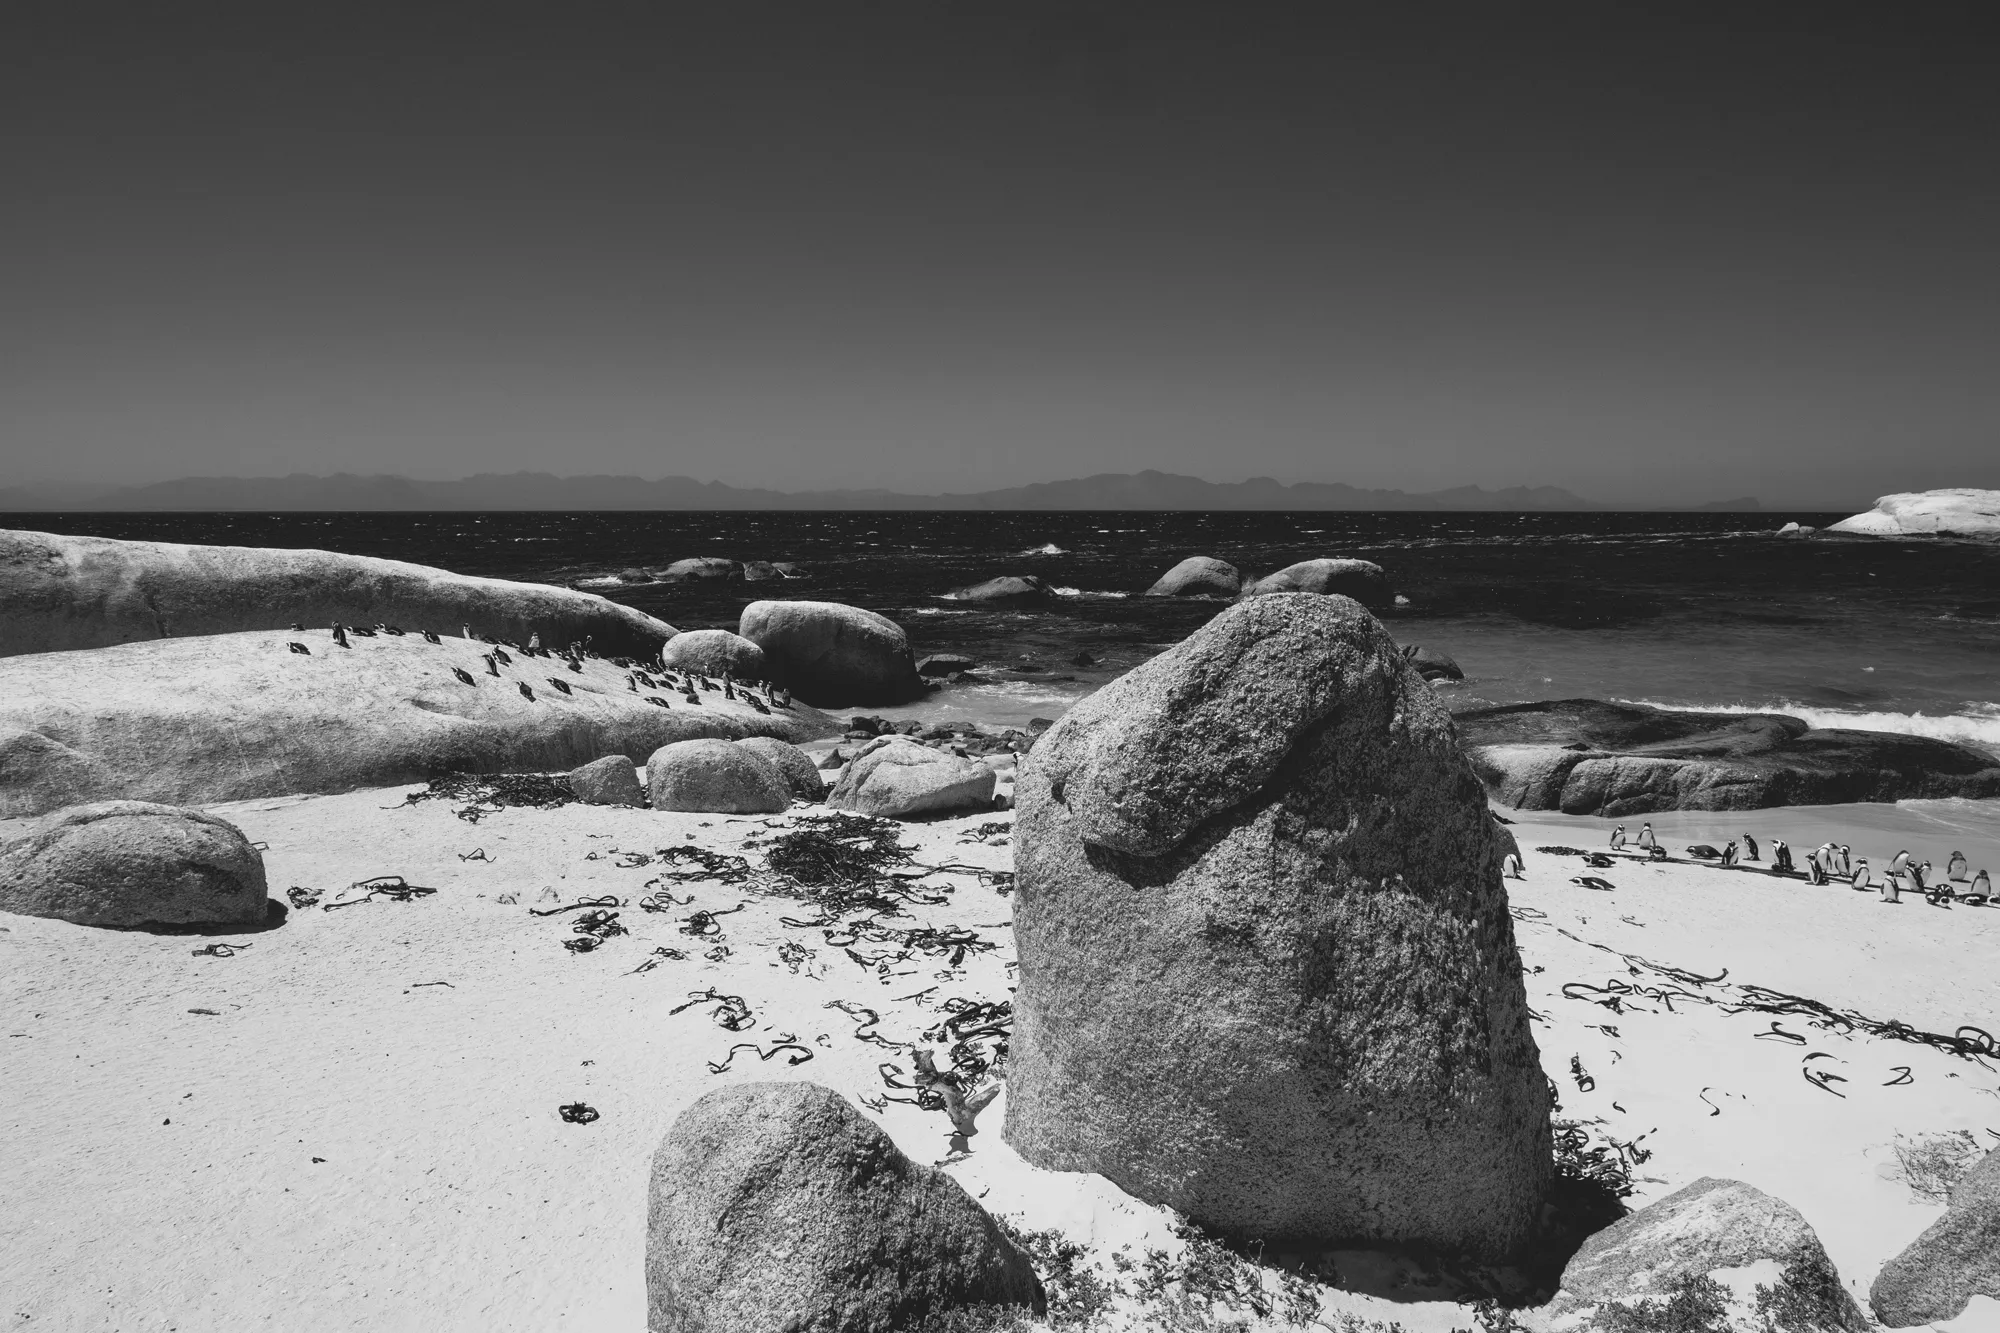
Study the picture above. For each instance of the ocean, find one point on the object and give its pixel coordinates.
(1709, 611)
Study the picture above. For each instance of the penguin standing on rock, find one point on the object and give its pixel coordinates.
(1618, 837)
(562, 686)
(430, 636)
(500, 655)
(464, 675)
(492, 667)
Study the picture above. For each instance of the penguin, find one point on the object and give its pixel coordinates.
(1729, 853)
(393, 631)
(1510, 866)
(576, 665)
(1750, 849)
(1781, 857)
(562, 686)
(1657, 853)
(1860, 880)
(1618, 837)
(526, 693)
(1846, 858)
(534, 644)
(1815, 872)
(1982, 886)
(656, 699)
(297, 647)
(500, 656)
(362, 631)
(1921, 875)
(755, 702)
(297, 628)
(691, 696)
(492, 667)
(466, 630)
(1902, 859)
(1646, 838)
(340, 635)
(1956, 868)
(631, 682)
(644, 679)
(1701, 851)
(464, 675)
(431, 637)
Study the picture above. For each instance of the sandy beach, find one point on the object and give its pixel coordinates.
(352, 1122)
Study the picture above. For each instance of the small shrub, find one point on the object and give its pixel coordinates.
(1807, 1299)
(1696, 1304)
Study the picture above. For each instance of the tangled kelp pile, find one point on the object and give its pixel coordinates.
(485, 793)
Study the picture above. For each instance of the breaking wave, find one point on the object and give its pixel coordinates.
(1978, 724)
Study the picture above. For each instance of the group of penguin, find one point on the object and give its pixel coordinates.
(573, 655)
(1830, 861)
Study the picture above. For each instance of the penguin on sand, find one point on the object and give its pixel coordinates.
(1729, 853)
(1750, 849)
(1510, 866)
(1781, 857)
(1982, 886)
(1956, 867)
(1860, 880)
(1815, 872)
(340, 635)
(430, 636)
(526, 693)
(1646, 838)
(1617, 837)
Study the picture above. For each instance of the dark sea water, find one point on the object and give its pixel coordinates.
(1687, 610)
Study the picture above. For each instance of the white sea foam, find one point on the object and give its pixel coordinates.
(601, 581)
(1978, 724)
(1046, 548)
(1089, 595)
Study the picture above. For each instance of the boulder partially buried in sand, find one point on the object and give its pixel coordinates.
(1589, 757)
(1363, 580)
(231, 716)
(1957, 1257)
(779, 1208)
(59, 593)
(794, 763)
(608, 781)
(895, 777)
(1952, 512)
(828, 654)
(133, 863)
(715, 777)
(712, 652)
(1673, 1249)
(1198, 576)
(1267, 972)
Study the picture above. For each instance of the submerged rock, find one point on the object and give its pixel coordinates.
(133, 863)
(1952, 512)
(60, 593)
(1432, 664)
(779, 1208)
(715, 777)
(944, 664)
(699, 569)
(1198, 576)
(231, 716)
(1267, 973)
(829, 654)
(1957, 1257)
(711, 652)
(1588, 757)
(1363, 580)
(895, 777)
(608, 781)
(1007, 590)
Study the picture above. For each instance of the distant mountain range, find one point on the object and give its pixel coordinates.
(543, 491)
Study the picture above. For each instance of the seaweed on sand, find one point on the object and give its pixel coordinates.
(536, 791)
(836, 850)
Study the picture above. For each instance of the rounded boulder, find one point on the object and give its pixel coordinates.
(715, 777)
(1198, 576)
(1007, 590)
(698, 568)
(830, 655)
(133, 863)
(710, 652)
(1363, 580)
(608, 781)
(794, 763)
(894, 777)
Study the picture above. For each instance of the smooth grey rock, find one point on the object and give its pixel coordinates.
(1363, 580)
(715, 777)
(1710, 1225)
(895, 777)
(1431, 664)
(1263, 850)
(1951, 512)
(610, 781)
(1198, 576)
(698, 569)
(794, 763)
(712, 652)
(1957, 1257)
(756, 571)
(1007, 590)
(778, 1208)
(829, 654)
(133, 863)
(227, 717)
(60, 593)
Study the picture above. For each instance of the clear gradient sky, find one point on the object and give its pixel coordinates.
(1654, 257)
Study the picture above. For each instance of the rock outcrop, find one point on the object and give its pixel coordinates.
(1588, 757)
(832, 655)
(1955, 512)
(1430, 663)
(715, 777)
(1198, 576)
(790, 760)
(133, 863)
(1674, 1248)
(712, 652)
(779, 1208)
(1363, 580)
(699, 569)
(1007, 590)
(1267, 972)
(609, 781)
(895, 777)
(231, 716)
(944, 664)
(60, 593)
(1957, 1257)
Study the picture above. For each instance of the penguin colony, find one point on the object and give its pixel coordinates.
(1832, 861)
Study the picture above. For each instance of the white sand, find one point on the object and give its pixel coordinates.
(159, 1166)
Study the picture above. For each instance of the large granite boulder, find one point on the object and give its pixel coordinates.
(133, 863)
(715, 777)
(610, 781)
(1007, 590)
(779, 1208)
(712, 652)
(1363, 580)
(1676, 1246)
(1198, 576)
(829, 655)
(895, 777)
(227, 717)
(794, 763)
(59, 593)
(1267, 972)
(1953, 512)
(699, 569)
(1957, 1257)
(1588, 757)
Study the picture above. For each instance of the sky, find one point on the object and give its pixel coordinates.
(1658, 254)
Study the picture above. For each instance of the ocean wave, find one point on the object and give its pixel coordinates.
(601, 581)
(1089, 595)
(1046, 548)
(1024, 692)
(1978, 724)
